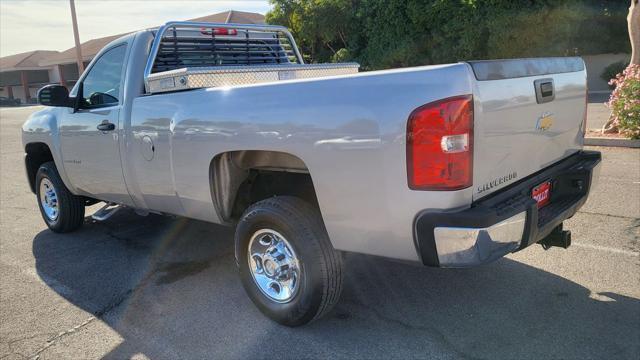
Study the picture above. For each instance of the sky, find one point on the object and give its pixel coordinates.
(27, 25)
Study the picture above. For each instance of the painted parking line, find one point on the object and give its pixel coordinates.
(607, 249)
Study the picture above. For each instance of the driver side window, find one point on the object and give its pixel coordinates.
(101, 86)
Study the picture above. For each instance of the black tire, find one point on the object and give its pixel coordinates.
(321, 265)
(70, 207)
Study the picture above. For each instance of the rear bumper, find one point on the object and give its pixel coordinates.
(508, 220)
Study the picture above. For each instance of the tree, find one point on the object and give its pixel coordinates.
(319, 26)
(381, 34)
(633, 20)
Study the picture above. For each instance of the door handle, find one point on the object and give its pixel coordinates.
(106, 126)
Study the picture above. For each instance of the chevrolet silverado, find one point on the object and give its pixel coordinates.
(451, 165)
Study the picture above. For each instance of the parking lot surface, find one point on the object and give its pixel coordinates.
(166, 288)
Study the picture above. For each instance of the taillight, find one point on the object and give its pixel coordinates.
(218, 31)
(440, 145)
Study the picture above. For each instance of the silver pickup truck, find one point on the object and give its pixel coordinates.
(450, 165)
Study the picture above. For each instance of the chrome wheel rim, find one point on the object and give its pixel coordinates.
(49, 199)
(274, 265)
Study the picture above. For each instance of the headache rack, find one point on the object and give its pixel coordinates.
(188, 55)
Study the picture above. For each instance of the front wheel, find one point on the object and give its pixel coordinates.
(61, 210)
(287, 264)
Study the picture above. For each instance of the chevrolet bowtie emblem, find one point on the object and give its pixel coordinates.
(545, 122)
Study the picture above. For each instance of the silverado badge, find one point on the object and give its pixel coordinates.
(545, 122)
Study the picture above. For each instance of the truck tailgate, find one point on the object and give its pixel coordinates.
(528, 114)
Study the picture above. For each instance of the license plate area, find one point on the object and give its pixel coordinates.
(542, 193)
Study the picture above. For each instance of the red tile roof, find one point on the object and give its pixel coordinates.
(25, 61)
(233, 17)
(89, 50)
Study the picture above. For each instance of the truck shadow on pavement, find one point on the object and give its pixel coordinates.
(169, 288)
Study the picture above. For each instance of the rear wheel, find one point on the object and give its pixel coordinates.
(61, 210)
(287, 264)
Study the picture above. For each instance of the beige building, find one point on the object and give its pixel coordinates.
(34, 69)
(21, 75)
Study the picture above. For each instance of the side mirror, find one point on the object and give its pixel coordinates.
(54, 95)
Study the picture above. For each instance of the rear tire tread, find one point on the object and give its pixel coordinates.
(300, 212)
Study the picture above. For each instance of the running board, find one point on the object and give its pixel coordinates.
(106, 212)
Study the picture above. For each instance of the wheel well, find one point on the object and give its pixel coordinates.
(36, 155)
(242, 178)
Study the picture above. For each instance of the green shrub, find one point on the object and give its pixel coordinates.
(341, 55)
(612, 70)
(383, 34)
(625, 101)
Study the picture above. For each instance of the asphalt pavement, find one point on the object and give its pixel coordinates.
(166, 288)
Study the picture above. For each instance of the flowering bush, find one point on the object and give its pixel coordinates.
(625, 102)
(612, 70)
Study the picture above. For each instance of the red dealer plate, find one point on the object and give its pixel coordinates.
(542, 193)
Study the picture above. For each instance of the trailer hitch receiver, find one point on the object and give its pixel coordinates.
(557, 237)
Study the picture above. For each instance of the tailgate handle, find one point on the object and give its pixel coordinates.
(544, 90)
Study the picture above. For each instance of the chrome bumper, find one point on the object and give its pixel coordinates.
(458, 246)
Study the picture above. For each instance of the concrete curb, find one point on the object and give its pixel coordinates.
(615, 142)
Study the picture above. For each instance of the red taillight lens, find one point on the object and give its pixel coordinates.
(218, 31)
(440, 145)
(224, 31)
